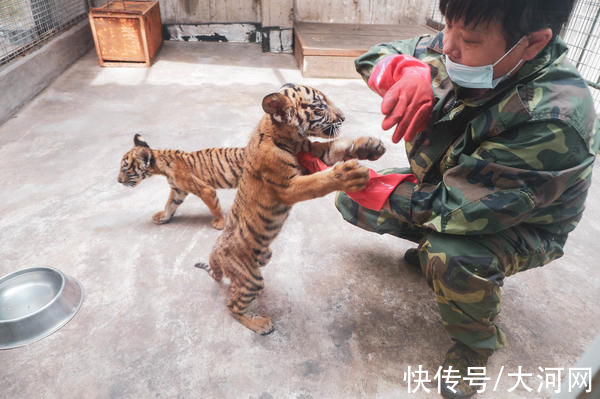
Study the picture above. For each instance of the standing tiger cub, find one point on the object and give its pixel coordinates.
(198, 172)
(273, 181)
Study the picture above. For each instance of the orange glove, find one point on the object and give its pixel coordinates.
(404, 82)
(378, 188)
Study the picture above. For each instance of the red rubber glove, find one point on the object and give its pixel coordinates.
(378, 188)
(404, 82)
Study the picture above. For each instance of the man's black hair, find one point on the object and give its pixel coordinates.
(518, 17)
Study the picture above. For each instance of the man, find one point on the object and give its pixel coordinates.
(501, 135)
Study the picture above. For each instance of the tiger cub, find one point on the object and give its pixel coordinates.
(273, 181)
(198, 172)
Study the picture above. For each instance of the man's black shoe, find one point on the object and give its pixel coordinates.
(411, 257)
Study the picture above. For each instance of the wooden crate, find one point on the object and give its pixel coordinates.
(126, 33)
(328, 50)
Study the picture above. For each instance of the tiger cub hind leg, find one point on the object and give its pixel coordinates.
(241, 295)
(209, 196)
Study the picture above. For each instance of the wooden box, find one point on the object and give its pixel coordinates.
(326, 50)
(126, 33)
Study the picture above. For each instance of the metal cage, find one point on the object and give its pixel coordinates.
(582, 34)
(26, 23)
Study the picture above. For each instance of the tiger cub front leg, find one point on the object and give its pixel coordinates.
(176, 197)
(209, 196)
(263, 256)
(345, 148)
(369, 148)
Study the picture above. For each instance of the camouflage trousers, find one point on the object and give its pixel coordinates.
(465, 272)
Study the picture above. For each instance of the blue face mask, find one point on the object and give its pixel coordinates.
(479, 77)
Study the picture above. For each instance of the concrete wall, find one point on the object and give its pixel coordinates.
(362, 11)
(22, 79)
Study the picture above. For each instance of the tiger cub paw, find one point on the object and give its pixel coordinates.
(370, 148)
(218, 223)
(259, 324)
(350, 175)
(159, 218)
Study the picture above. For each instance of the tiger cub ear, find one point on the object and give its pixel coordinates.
(139, 141)
(147, 157)
(279, 107)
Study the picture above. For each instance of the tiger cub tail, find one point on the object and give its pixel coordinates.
(217, 276)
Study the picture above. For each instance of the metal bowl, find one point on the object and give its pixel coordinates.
(34, 303)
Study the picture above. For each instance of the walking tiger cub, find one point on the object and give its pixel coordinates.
(198, 172)
(272, 182)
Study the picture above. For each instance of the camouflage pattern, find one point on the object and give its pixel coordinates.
(502, 180)
(461, 358)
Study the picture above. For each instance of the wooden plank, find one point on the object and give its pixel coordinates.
(125, 7)
(144, 35)
(329, 50)
(153, 32)
(362, 29)
(96, 43)
(298, 53)
(351, 40)
(234, 10)
(328, 67)
(276, 13)
(120, 39)
(123, 64)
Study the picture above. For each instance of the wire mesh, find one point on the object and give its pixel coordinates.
(435, 18)
(26, 23)
(581, 34)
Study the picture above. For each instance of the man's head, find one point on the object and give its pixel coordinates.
(517, 18)
(480, 32)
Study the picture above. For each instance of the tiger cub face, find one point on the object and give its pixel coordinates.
(305, 108)
(136, 163)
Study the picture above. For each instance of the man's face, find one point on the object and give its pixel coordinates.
(483, 44)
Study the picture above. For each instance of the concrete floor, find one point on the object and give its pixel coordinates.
(350, 316)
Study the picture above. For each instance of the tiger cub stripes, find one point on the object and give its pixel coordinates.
(198, 172)
(273, 181)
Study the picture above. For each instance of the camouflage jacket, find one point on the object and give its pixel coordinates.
(522, 154)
